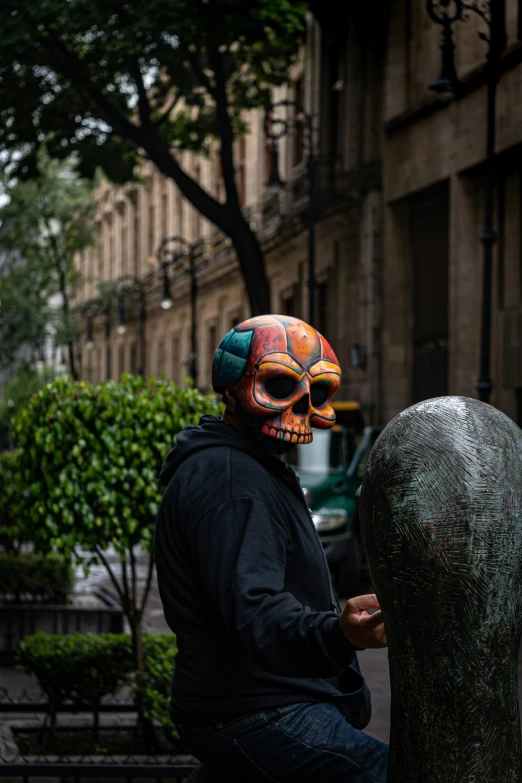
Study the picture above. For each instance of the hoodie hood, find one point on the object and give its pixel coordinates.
(212, 432)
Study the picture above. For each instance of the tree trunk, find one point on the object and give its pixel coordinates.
(252, 264)
(226, 217)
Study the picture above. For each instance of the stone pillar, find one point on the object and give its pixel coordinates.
(441, 519)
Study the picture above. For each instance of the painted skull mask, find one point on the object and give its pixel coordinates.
(282, 372)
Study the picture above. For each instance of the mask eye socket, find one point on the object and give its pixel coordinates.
(280, 387)
(319, 394)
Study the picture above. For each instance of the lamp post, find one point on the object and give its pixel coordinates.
(492, 13)
(89, 341)
(168, 255)
(275, 129)
(133, 281)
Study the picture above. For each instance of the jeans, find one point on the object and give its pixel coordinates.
(294, 743)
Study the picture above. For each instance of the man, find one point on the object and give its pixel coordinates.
(267, 684)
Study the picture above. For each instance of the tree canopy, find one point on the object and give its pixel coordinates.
(114, 81)
(46, 221)
(88, 459)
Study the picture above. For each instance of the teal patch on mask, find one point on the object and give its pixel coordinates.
(230, 359)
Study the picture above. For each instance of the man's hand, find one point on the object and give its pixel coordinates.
(361, 628)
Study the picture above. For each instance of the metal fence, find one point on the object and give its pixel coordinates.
(15, 765)
(175, 769)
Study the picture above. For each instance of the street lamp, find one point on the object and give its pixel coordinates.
(493, 14)
(167, 256)
(126, 283)
(166, 299)
(275, 129)
(89, 343)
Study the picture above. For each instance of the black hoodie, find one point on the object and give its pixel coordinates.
(245, 585)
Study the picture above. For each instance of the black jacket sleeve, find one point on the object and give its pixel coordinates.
(240, 553)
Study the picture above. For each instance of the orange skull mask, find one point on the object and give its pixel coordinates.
(283, 374)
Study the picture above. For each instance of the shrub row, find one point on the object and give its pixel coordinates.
(27, 576)
(83, 668)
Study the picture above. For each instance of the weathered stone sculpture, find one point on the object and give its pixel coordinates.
(441, 519)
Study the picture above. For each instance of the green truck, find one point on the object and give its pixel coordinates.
(331, 469)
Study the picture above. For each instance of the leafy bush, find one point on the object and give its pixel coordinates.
(12, 532)
(27, 576)
(156, 681)
(81, 668)
(90, 456)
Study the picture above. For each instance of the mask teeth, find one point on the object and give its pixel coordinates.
(289, 437)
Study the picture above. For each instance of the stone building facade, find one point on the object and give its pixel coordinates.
(398, 232)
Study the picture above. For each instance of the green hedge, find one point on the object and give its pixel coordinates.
(83, 668)
(160, 650)
(33, 577)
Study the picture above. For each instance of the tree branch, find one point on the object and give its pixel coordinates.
(111, 573)
(157, 149)
(225, 129)
(125, 582)
(200, 73)
(133, 577)
(143, 99)
(148, 583)
(168, 110)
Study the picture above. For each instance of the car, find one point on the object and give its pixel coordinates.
(330, 470)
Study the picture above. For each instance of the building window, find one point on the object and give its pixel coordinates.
(137, 238)
(212, 345)
(124, 241)
(299, 130)
(161, 369)
(175, 358)
(322, 308)
(197, 214)
(268, 151)
(121, 360)
(108, 361)
(235, 320)
(289, 303)
(164, 212)
(110, 264)
(150, 227)
(134, 359)
(179, 212)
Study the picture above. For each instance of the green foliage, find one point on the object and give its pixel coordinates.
(90, 456)
(27, 380)
(96, 77)
(46, 221)
(11, 527)
(83, 668)
(34, 577)
(156, 681)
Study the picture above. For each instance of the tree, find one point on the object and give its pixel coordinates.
(45, 223)
(27, 380)
(90, 456)
(114, 81)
